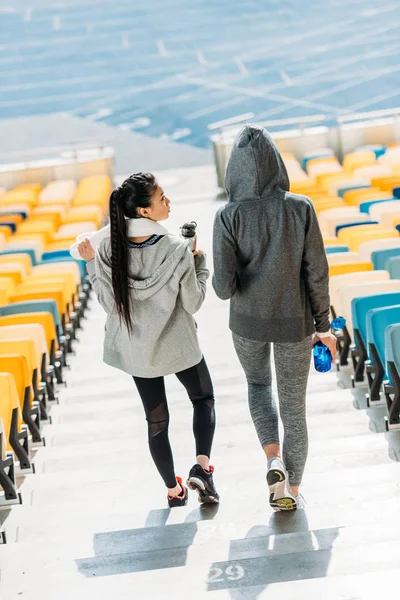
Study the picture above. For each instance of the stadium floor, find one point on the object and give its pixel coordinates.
(169, 68)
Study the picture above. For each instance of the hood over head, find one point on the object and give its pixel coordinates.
(255, 169)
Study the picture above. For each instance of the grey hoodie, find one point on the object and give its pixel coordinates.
(168, 286)
(269, 257)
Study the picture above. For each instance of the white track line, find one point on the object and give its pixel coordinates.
(161, 48)
(241, 66)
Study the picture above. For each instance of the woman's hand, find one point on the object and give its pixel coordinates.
(330, 342)
(197, 252)
(86, 251)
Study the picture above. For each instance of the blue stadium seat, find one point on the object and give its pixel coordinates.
(377, 321)
(393, 266)
(354, 224)
(336, 249)
(379, 258)
(346, 188)
(396, 192)
(31, 253)
(365, 206)
(392, 388)
(359, 310)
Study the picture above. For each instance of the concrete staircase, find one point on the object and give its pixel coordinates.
(94, 522)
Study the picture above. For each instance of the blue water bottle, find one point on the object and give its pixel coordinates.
(322, 354)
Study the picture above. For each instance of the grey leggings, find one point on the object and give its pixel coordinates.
(292, 366)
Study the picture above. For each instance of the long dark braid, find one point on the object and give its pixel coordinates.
(136, 192)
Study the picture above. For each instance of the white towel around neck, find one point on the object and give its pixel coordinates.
(135, 228)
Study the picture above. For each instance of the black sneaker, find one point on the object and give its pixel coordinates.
(180, 500)
(202, 482)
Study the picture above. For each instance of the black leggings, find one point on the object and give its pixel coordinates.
(198, 384)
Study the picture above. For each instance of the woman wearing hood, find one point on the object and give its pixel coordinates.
(269, 260)
(150, 284)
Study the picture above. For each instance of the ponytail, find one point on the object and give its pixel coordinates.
(136, 192)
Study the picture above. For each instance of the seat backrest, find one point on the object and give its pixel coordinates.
(365, 206)
(395, 345)
(367, 248)
(15, 270)
(372, 288)
(81, 264)
(44, 319)
(49, 293)
(346, 233)
(393, 267)
(338, 281)
(33, 306)
(6, 402)
(35, 246)
(33, 331)
(377, 321)
(22, 258)
(24, 252)
(26, 347)
(52, 268)
(17, 365)
(348, 268)
(336, 249)
(380, 257)
(377, 210)
(348, 224)
(361, 306)
(342, 258)
(357, 239)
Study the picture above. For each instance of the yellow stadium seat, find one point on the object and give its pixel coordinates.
(349, 268)
(17, 365)
(58, 192)
(331, 241)
(20, 196)
(32, 331)
(6, 231)
(59, 267)
(3, 297)
(19, 238)
(321, 206)
(18, 442)
(35, 245)
(84, 213)
(64, 244)
(74, 229)
(34, 187)
(17, 219)
(13, 270)
(46, 228)
(93, 190)
(368, 236)
(3, 241)
(66, 278)
(384, 183)
(355, 160)
(7, 285)
(25, 259)
(346, 233)
(53, 212)
(50, 293)
(355, 197)
(45, 319)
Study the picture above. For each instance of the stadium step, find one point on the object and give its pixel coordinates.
(94, 522)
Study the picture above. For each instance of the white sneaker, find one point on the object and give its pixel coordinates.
(281, 497)
(301, 503)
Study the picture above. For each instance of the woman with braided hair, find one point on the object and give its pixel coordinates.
(150, 284)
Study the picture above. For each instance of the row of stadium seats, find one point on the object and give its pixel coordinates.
(44, 294)
(358, 207)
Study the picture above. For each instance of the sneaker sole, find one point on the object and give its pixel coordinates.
(277, 483)
(197, 485)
